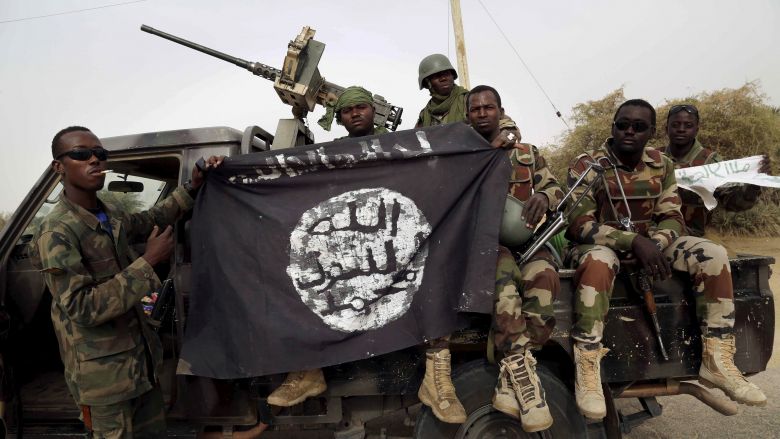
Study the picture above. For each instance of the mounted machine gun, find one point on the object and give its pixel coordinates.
(298, 84)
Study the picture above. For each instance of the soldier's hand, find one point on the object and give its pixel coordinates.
(535, 208)
(159, 246)
(198, 176)
(765, 165)
(650, 256)
(505, 139)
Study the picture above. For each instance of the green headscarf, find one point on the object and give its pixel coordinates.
(350, 97)
(452, 107)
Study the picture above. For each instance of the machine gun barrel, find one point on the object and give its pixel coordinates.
(256, 68)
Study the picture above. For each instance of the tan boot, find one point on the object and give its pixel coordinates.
(437, 391)
(718, 370)
(504, 398)
(587, 382)
(297, 387)
(521, 373)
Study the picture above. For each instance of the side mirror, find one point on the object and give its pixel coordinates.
(125, 186)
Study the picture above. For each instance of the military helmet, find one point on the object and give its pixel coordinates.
(513, 231)
(432, 64)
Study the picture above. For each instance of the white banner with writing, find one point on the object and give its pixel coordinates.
(705, 179)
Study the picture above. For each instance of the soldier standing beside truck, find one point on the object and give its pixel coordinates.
(682, 126)
(111, 354)
(652, 202)
(523, 319)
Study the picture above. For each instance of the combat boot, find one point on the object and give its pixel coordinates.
(520, 369)
(718, 370)
(437, 390)
(297, 387)
(504, 398)
(587, 382)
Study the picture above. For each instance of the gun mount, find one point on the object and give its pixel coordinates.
(299, 83)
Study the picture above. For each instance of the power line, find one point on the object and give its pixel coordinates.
(528, 69)
(69, 12)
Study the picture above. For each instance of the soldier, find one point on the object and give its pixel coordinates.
(682, 126)
(651, 189)
(112, 357)
(355, 110)
(523, 319)
(448, 100)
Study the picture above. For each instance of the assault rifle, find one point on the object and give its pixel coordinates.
(163, 307)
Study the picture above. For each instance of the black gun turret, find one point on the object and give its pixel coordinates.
(299, 82)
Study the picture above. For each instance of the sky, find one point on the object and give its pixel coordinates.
(97, 69)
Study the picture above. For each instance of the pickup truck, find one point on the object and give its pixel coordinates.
(372, 398)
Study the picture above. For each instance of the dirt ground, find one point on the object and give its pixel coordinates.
(759, 246)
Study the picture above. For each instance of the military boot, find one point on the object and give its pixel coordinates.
(520, 369)
(587, 382)
(297, 387)
(718, 370)
(504, 398)
(437, 390)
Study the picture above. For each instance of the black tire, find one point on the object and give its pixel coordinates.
(474, 383)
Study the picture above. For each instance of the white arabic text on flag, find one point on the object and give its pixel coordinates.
(704, 180)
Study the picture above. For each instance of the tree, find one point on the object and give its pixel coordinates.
(734, 122)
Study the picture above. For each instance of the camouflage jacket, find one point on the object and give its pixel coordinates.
(651, 191)
(97, 282)
(732, 198)
(530, 174)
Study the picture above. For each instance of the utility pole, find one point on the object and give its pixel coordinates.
(460, 44)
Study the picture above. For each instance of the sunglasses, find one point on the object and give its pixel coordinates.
(690, 109)
(84, 154)
(638, 125)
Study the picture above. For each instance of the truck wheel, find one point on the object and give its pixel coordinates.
(474, 383)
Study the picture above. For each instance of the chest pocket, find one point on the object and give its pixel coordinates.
(521, 182)
(99, 257)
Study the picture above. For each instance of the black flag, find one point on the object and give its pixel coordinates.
(319, 255)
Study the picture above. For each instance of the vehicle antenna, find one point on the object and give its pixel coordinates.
(528, 69)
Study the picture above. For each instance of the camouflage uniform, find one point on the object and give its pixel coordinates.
(437, 112)
(111, 354)
(651, 190)
(527, 319)
(732, 198)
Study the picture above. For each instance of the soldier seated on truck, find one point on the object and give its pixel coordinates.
(354, 109)
(682, 126)
(523, 319)
(111, 354)
(598, 227)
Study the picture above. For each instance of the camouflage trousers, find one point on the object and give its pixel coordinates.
(523, 304)
(705, 262)
(140, 417)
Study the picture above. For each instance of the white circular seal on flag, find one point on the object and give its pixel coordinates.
(357, 259)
